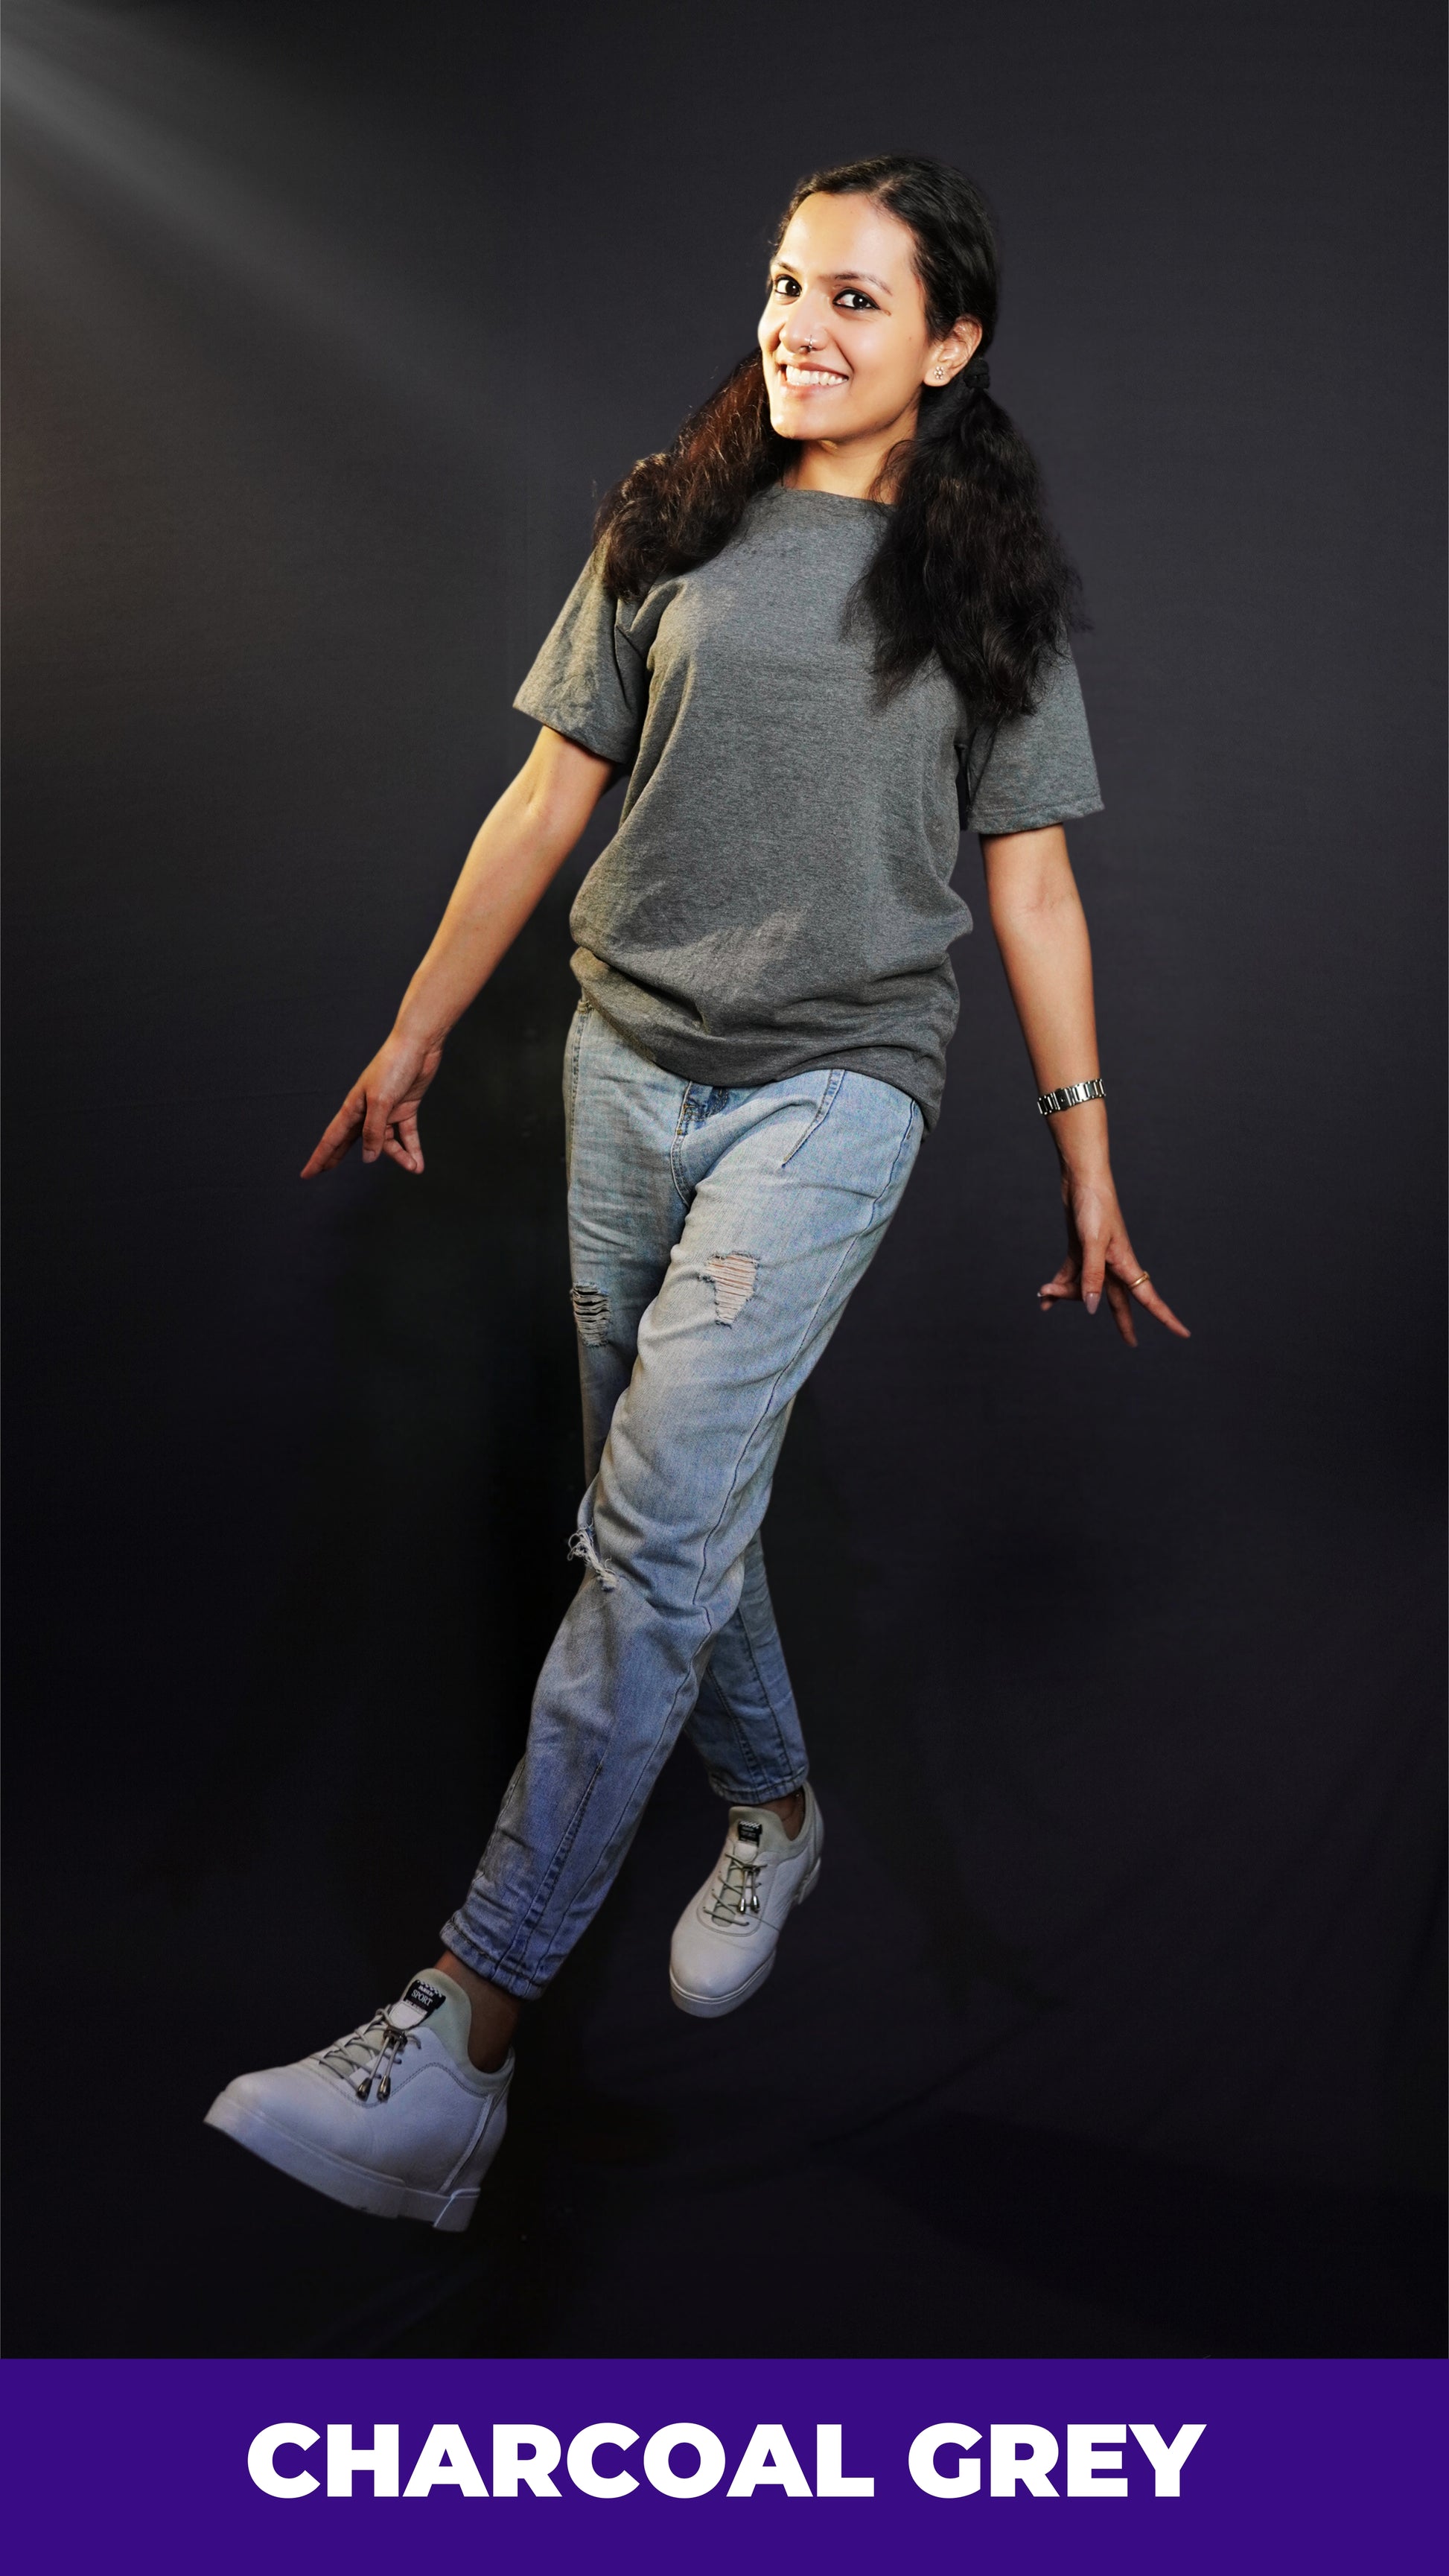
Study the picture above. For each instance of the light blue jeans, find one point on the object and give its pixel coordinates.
(715, 1237)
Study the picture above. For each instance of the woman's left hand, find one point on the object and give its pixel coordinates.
(1100, 1259)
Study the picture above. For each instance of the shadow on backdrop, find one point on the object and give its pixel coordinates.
(1113, 2028)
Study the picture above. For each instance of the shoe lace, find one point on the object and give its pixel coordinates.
(371, 2051)
(736, 1890)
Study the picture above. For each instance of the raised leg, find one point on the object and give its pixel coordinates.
(789, 1188)
(626, 1213)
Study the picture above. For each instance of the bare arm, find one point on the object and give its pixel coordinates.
(515, 857)
(1041, 931)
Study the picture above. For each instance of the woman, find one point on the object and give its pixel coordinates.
(823, 628)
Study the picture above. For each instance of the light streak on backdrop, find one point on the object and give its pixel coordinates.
(158, 130)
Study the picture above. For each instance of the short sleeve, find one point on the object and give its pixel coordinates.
(588, 681)
(1033, 770)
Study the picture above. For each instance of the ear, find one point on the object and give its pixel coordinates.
(946, 358)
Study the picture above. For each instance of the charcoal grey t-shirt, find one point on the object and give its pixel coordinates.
(777, 896)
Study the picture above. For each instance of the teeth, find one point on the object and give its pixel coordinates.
(809, 376)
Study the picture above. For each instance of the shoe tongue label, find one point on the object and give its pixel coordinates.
(428, 1999)
(748, 1833)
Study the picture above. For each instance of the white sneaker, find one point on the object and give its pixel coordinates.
(393, 2118)
(724, 1942)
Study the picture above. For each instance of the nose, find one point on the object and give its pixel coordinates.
(803, 327)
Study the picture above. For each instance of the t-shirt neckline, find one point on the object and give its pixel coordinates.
(831, 500)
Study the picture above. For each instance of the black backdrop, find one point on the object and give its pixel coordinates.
(1112, 2028)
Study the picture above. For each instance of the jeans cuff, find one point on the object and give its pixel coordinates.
(512, 1981)
(734, 1796)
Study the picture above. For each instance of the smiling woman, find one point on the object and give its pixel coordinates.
(839, 573)
(871, 381)
(848, 346)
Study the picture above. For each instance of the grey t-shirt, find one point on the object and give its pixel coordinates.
(777, 896)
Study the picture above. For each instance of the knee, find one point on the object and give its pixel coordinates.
(677, 1569)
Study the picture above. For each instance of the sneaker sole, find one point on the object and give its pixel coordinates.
(448, 2211)
(714, 2007)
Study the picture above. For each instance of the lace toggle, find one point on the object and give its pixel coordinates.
(736, 1891)
(378, 2047)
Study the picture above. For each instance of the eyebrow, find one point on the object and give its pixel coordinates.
(843, 276)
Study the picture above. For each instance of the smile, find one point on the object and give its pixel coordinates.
(806, 378)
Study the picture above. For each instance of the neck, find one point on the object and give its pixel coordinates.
(858, 469)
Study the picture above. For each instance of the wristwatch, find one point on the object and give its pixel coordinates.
(1049, 1102)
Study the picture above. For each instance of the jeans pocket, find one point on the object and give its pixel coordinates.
(828, 1100)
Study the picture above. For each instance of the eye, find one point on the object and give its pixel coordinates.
(785, 286)
(855, 300)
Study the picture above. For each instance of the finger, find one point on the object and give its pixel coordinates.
(375, 1127)
(1094, 1271)
(335, 1140)
(1146, 1295)
(407, 1134)
(397, 1152)
(1121, 1305)
(1138, 1284)
(1065, 1284)
(1125, 1266)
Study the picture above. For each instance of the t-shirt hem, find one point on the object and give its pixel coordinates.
(1036, 819)
(561, 718)
(914, 1079)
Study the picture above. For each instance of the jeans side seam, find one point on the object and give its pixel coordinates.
(764, 1690)
(900, 1149)
(632, 1805)
(574, 1053)
(746, 1767)
(518, 1946)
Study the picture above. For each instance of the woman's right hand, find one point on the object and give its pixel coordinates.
(516, 853)
(382, 1108)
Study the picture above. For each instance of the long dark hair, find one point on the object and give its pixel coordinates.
(968, 565)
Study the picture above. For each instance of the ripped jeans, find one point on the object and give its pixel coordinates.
(715, 1237)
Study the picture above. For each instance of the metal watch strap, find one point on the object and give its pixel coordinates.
(1048, 1102)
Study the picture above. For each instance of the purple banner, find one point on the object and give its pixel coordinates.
(1157, 2466)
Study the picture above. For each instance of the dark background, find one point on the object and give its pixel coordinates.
(1112, 2029)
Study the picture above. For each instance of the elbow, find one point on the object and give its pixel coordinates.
(1033, 912)
(561, 786)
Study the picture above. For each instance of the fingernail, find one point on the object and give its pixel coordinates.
(1091, 1301)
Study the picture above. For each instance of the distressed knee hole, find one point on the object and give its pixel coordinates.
(732, 1277)
(584, 1546)
(591, 1314)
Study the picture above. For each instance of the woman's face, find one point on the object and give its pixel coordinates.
(844, 335)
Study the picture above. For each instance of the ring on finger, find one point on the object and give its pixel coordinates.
(1138, 1281)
